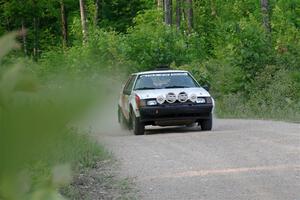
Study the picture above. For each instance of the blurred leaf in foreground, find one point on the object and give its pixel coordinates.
(34, 136)
(7, 43)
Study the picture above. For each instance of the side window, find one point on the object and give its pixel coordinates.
(129, 85)
(126, 84)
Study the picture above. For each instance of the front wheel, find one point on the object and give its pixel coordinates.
(137, 126)
(206, 125)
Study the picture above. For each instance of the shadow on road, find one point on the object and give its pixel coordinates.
(168, 130)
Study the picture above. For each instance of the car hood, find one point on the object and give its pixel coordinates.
(149, 94)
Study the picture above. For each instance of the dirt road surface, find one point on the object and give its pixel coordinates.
(239, 159)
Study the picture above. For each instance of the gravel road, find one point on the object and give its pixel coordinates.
(239, 159)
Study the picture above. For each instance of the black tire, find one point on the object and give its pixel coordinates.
(206, 125)
(137, 126)
(121, 119)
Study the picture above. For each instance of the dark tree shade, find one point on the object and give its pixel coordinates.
(97, 11)
(266, 14)
(168, 12)
(189, 14)
(178, 12)
(64, 23)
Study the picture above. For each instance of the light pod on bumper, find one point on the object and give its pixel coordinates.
(171, 97)
(182, 97)
(160, 99)
(193, 98)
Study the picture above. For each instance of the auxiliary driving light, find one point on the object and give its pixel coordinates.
(160, 99)
(193, 97)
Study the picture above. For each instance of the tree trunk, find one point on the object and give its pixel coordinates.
(266, 15)
(189, 14)
(97, 12)
(64, 24)
(168, 12)
(35, 31)
(23, 32)
(83, 21)
(213, 8)
(160, 4)
(35, 39)
(178, 12)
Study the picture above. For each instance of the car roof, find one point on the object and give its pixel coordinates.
(159, 71)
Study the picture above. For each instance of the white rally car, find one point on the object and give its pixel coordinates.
(164, 98)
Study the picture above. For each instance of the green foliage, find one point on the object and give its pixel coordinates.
(37, 146)
(113, 14)
(150, 43)
(230, 51)
(251, 72)
(199, 71)
(146, 45)
(251, 51)
(118, 14)
(287, 40)
(226, 78)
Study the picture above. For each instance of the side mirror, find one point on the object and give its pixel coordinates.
(206, 87)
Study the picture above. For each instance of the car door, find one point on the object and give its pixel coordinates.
(126, 96)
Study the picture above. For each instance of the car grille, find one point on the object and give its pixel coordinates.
(176, 103)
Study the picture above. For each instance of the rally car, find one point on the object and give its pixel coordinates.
(164, 98)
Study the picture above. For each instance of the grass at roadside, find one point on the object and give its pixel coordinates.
(92, 171)
(73, 154)
(235, 108)
(94, 174)
(100, 182)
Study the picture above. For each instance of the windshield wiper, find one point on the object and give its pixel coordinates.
(176, 86)
(146, 88)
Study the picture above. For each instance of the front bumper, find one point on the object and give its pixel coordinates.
(177, 112)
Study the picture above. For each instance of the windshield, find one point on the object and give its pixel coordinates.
(164, 80)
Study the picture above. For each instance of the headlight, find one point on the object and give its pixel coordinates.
(151, 103)
(208, 100)
(200, 100)
(142, 103)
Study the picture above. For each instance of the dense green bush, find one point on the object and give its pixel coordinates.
(151, 43)
(146, 45)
